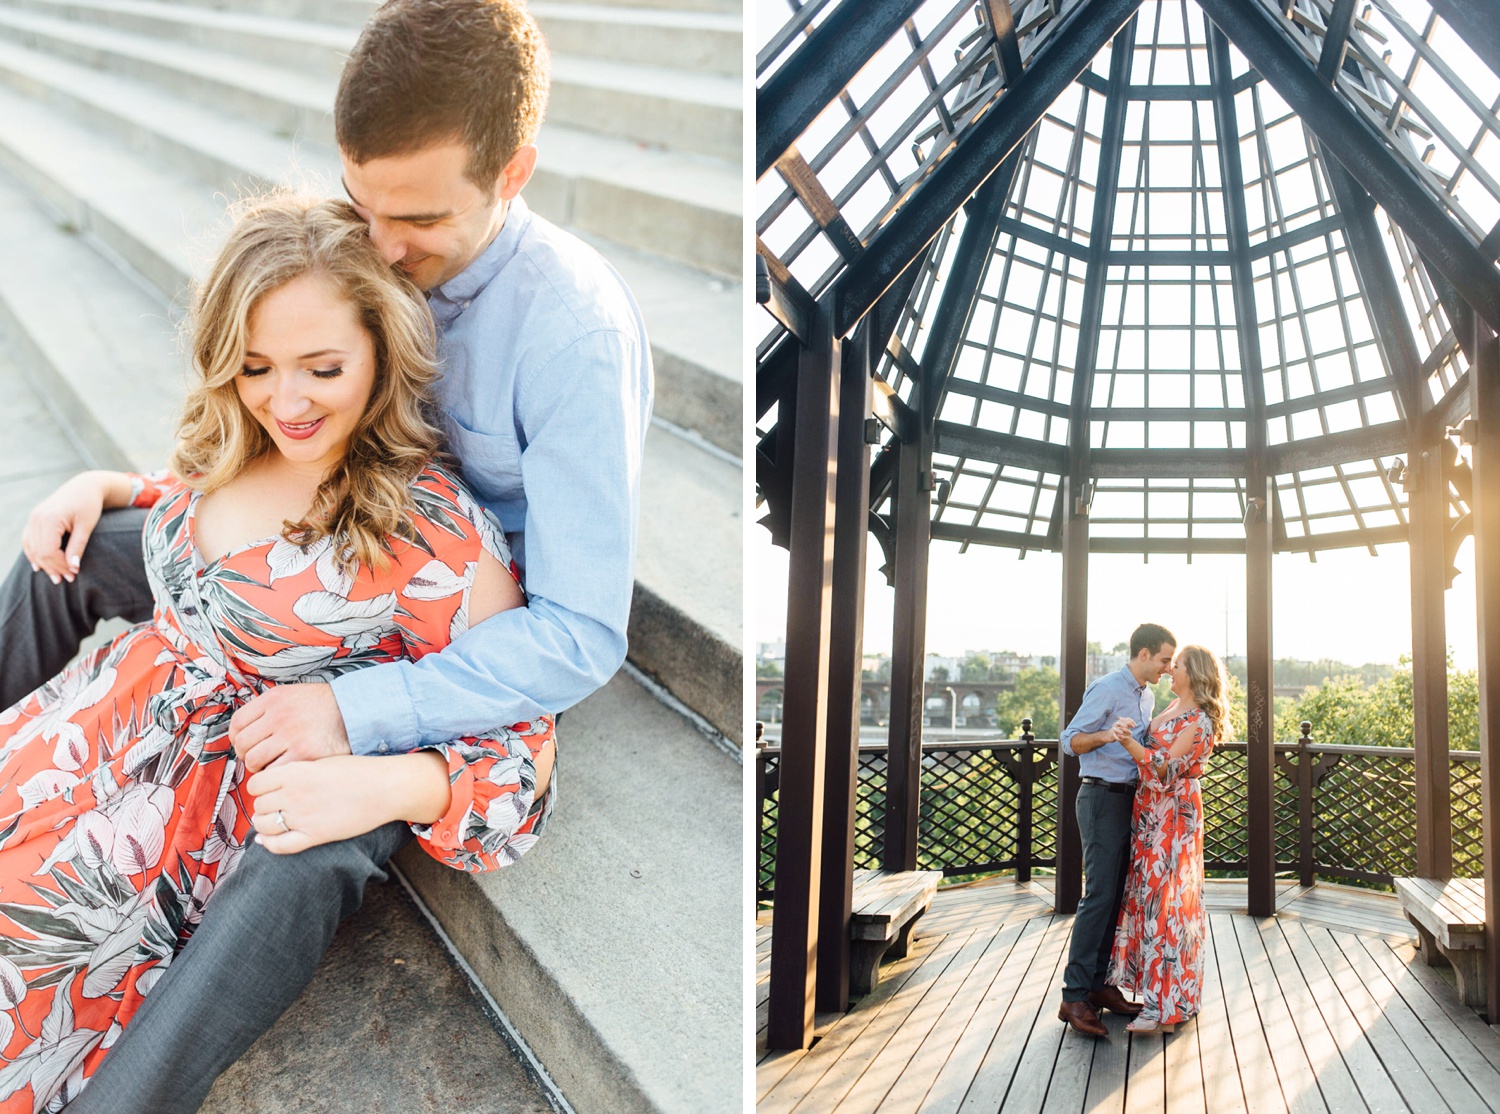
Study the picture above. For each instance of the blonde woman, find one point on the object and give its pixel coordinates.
(303, 532)
(1159, 939)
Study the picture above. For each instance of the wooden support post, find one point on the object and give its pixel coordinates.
(1428, 511)
(1484, 407)
(799, 826)
(908, 653)
(1261, 734)
(1306, 829)
(1074, 662)
(846, 655)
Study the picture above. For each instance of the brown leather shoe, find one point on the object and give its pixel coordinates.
(1082, 1018)
(1112, 1000)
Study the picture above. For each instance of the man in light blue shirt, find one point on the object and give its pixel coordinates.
(546, 397)
(1106, 796)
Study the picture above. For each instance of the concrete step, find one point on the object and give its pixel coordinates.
(700, 42)
(163, 230)
(615, 946)
(681, 206)
(353, 13)
(237, 61)
(332, 1053)
(651, 104)
(650, 201)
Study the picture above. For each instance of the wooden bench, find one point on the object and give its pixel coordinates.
(1449, 918)
(887, 904)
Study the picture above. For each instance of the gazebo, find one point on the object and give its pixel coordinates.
(1114, 276)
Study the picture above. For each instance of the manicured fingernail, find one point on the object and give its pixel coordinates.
(68, 578)
(73, 562)
(55, 578)
(260, 838)
(34, 567)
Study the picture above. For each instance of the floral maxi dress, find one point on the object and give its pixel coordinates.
(1159, 939)
(121, 803)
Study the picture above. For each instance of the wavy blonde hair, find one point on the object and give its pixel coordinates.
(1206, 676)
(366, 499)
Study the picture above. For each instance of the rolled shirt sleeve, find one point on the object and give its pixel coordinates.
(1092, 715)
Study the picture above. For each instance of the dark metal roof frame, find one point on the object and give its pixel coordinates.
(1068, 50)
(1367, 155)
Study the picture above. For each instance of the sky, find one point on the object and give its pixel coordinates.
(1348, 606)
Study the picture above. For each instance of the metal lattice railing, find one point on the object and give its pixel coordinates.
(992, 806)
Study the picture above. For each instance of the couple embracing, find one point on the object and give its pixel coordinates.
(1140, 924)
(401, 406)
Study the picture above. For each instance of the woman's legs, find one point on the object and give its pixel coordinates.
(41, 623)
(265, 930)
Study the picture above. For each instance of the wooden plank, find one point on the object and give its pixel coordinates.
(1185, 1093)
(1332, 1076)
(796, 1079)
(929, 1059)
(1298, 1081)
(845, 1060)
(1221, 1075)
(1146, 1078)
(1379, 1094)
(1262, 1088)
(876, 1081)
(1068, 1087)
(1445, 1075)
(1479, 1071)
(1039, 1062)
(1106, 1092)
(1038, 986)
(1400, 1064)
(1481, 1036)
(947, 1091)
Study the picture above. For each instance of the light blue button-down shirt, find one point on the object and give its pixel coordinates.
(546, 394)
(1114, 696)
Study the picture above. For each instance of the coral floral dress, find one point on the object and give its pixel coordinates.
(1159, 940)
(121, 803)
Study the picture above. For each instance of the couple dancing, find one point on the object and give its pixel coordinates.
(1140, 924)
(181, 826)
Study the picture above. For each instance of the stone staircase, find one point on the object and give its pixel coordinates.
(615, 947)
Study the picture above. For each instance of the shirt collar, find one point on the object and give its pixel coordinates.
(453, 297)
(1139, 688)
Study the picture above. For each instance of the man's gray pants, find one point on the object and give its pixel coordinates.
(1104, 822)
(267, 926)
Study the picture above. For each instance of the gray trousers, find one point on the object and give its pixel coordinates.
(267, 925)
(1104, 822)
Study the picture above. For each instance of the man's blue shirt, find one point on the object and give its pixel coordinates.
(1117, 695)
(546, 396)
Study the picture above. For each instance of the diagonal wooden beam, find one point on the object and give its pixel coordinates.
(1069, 49)
(810, 79)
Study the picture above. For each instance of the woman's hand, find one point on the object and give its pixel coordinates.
(72, 511)
(345, 796)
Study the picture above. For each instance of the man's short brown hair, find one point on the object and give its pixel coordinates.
(436, 71)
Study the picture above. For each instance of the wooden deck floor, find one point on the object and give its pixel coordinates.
(1323, 1008)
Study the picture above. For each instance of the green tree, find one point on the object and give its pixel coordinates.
(939, 674)
(975, 667)
(768, 669)
(1035, 697)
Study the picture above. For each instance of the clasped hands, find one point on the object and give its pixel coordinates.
(292, 741)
